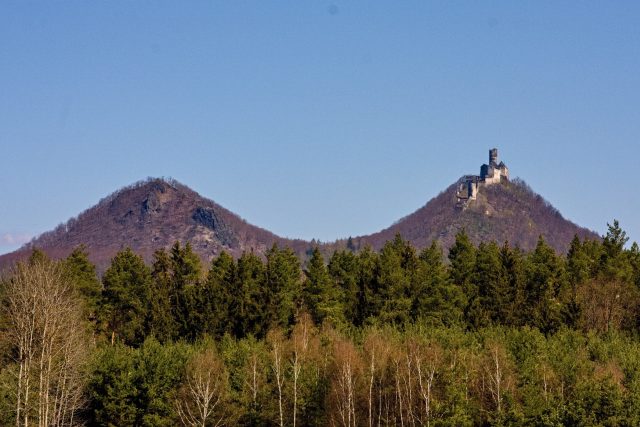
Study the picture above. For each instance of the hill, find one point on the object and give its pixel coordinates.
(155, 213)
(151, 215)
(509, 211)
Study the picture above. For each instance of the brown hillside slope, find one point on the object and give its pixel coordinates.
(509, 211)
(155, 213)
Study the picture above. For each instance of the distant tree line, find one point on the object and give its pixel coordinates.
(488, 335)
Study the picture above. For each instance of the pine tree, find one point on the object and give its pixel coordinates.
(284, 286)
(249, 308)
(578, 273)
(123, 307)
(493, 291)
(160, 320)
(369, 305)
(513, 265)
(185, 278)
(614, 264)
(634, 260)
(82, 273)
(321, 295)
(545, 282)
(215, 297)
(435, 299)
(397, 267)
(343, 269)
(462, 257)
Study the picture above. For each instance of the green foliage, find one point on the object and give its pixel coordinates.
(343, 269)
(545, 283)
(185, 283)
(436, 300)
(161, 299)
(82, 273)
(397, 265)
(283, 283)
(134, 387)
(501, 337)
(369, 304)
(123, 306)
(462, 256)
(322, 297)
(248, 312)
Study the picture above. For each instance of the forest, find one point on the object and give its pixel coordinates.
(482, 335)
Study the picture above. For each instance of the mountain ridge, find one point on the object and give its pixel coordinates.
(154, 213)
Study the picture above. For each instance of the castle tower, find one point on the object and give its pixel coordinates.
(493, 157)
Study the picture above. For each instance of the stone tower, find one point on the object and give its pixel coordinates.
(493, 157)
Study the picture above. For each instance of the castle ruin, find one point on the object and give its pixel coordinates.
(490, 174)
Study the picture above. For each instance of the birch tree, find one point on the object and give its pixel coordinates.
(50, 344)
(344, 390)
(202, 397)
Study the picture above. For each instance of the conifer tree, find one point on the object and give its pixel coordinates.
(248, 309)
(343, 269)
(82, 273)
(614, 264)
(321, 295)
(634, 260)
(185, 278)
(545, 282)
(492, 287)
(435, 299)
(217, 296)
(369, 304)
(397, 266)
(578, 273)
(160, 320)
(462, 257)
(283, 284)
(123, 306)
(513, 266)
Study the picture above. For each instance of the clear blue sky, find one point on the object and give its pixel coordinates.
(316, 118)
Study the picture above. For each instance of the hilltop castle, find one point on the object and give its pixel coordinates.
(490, 174)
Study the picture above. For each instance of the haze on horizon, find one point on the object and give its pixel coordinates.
(316, 119)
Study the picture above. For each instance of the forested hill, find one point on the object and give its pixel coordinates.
(510, 211)
(153, 214)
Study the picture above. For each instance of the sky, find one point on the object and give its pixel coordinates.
(317, 119)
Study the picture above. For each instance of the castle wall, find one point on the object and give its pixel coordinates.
(473, 190)
(489, 175)
(493, 178)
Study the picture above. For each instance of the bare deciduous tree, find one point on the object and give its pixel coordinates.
(497, 369)
(606, 303)
(377, 349)
(50, 343)
(201, 399)
(345, 383)
(300, 338)
(427, 361)
(277, 341)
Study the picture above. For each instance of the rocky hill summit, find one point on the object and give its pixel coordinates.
(151, 215)
(508, 211)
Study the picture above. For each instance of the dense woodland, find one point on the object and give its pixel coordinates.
(482, 335)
